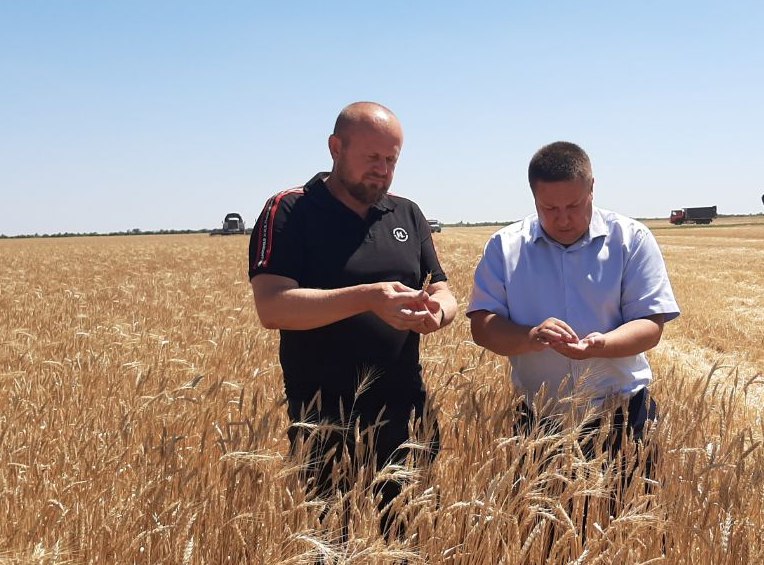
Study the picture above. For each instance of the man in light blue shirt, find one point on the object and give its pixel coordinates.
(573, 294)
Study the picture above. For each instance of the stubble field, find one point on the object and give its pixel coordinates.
(142, 420)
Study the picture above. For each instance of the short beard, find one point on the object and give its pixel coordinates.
(365, 194)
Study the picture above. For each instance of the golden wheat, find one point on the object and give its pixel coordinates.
(143, 421)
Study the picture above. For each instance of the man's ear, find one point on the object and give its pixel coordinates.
(335, 144)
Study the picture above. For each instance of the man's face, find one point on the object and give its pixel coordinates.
(564, 208)
(365, 159)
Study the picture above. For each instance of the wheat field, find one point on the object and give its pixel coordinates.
(143, 421)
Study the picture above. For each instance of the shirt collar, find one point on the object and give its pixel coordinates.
(598, 225)
(597, 228)
(537, 232)
(317, 187)
(387, 204)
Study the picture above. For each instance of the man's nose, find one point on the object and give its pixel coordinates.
(381, 167)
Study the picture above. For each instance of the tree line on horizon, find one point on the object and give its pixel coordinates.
(138, 231)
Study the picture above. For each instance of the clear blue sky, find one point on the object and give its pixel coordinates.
(169, 114)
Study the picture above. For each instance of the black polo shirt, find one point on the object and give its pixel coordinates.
(308, 235)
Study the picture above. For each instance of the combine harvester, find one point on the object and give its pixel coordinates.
(233, 224)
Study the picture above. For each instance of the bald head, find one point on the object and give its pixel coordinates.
(368, 116)
(365, 146)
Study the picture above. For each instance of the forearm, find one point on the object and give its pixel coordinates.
(283, 305)
(632, 338)
(447, 304)
(309, 308)
(501, 335)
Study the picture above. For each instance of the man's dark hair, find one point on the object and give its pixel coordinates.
(559, 161)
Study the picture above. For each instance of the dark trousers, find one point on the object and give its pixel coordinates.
(640, 409)
(606, 434)
(322, 437)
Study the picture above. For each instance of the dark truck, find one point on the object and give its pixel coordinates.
(233, 223)
(701, 215)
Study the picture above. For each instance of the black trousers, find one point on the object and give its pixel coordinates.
(612, 430)
(640, 409)
(321, 436)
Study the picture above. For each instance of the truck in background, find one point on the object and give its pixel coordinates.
(233, 224)
(699, 215)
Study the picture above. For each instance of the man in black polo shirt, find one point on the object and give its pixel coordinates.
(338, 266)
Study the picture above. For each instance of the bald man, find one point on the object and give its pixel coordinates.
(349, 276)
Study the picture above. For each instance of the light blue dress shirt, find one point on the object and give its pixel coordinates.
(614, 274)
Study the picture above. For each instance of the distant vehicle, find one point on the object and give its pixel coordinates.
(701, 215)
(233, 224)
(434, 226)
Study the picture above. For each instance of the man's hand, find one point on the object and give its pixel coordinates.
(591, 346)
(552, 332)
(631, 338)
(430, 322)
(400, 306)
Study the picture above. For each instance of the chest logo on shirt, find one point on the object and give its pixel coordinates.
(400, 234)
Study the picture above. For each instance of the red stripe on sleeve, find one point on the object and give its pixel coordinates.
(265, 234)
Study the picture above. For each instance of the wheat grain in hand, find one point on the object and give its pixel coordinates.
(427, 280)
